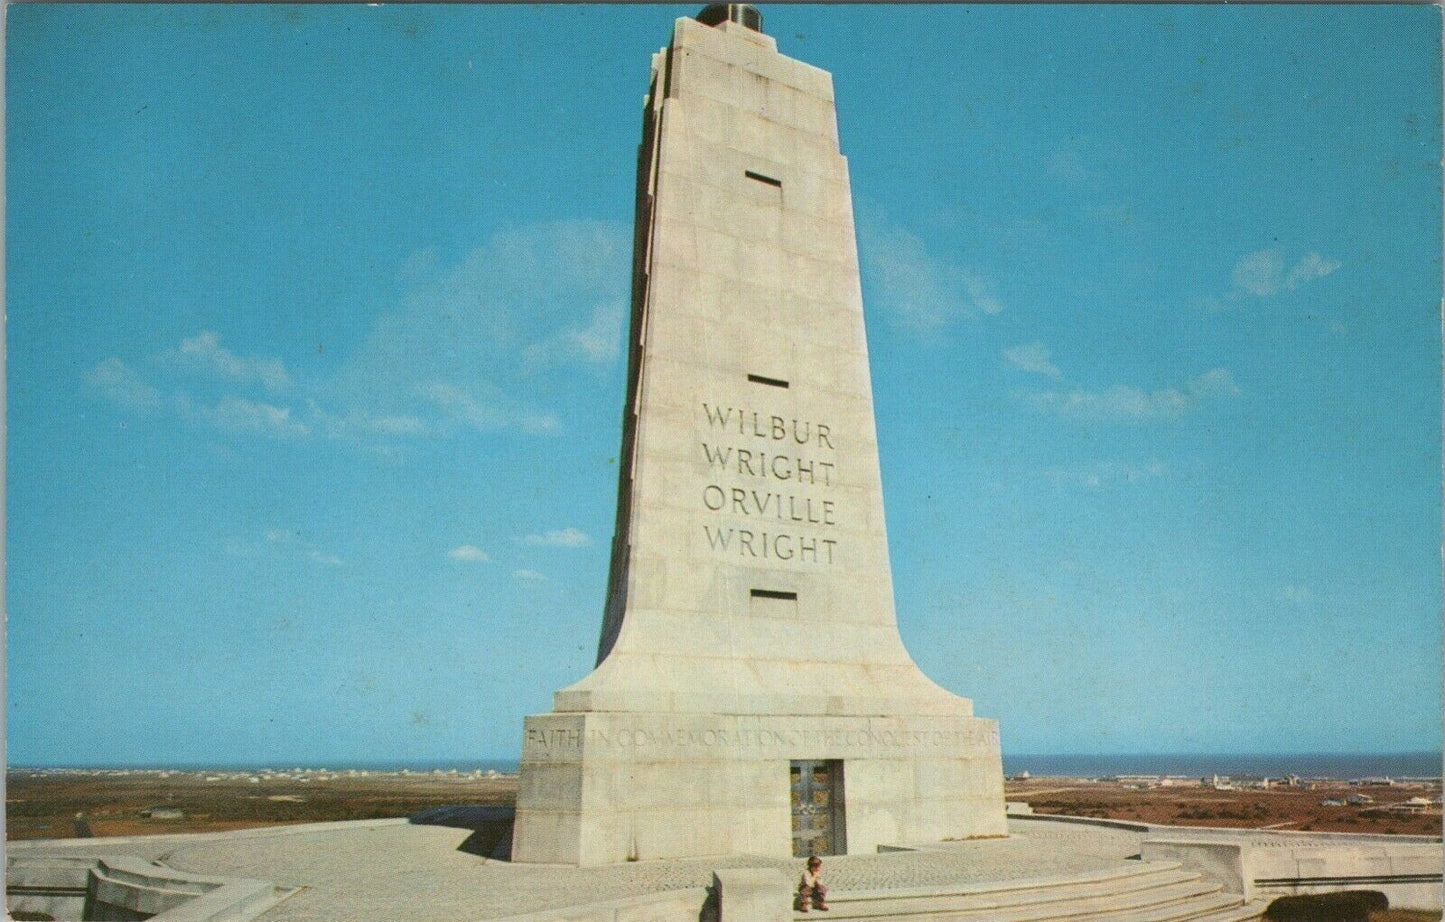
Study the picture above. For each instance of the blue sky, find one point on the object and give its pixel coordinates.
(315, 368)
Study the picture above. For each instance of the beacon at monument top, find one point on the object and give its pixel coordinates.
(742, 13)
(752, 692)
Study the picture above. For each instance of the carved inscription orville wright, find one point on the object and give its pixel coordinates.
(778, 475)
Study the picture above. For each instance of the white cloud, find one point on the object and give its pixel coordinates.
(240, 416)
(462, 406)
(539, 423)
(238, 548)
(1295, 595)
(290, 543)
(118, 383)
(1262, 275)
(204, 351)
(469, 552)
(1310, 268)
(1105, 475)
(1125, 404)
(531, 576)
(355, 424)
(1259, 273)
(1033, 357)
(526, 300)
(924, 291)
(486, 414)
(566, 537)
(598, 342)
(1117, 403)
(1216, 382)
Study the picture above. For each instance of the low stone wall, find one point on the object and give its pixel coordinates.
(1408, 872)
(53, 885)
(124, 889)
(128, 889)
(1083, 821)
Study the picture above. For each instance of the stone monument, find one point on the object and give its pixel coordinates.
(752, 693)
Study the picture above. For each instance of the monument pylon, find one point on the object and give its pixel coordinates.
(752, 692)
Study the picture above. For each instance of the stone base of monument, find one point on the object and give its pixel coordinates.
(602, 788)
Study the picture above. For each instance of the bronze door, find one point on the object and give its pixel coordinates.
(816, 788)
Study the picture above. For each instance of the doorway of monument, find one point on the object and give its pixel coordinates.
(816, 788)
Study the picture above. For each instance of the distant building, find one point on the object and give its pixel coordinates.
(163, 813)
(1413, 805)
(1177, 781)
(1358, 800)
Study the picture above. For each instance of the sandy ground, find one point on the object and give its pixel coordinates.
(1291, 809)
(44, 805)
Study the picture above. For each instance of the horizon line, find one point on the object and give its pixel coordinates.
(1438, 754)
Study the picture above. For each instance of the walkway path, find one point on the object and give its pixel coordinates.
(394, 870)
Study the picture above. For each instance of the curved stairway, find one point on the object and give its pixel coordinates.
(1145, 891)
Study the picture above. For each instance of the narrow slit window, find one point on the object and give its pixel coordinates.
(775, 594)
(764, 179)
(770, 382)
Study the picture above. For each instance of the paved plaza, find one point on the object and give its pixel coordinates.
(392, 869)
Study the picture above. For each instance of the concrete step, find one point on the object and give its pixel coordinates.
(1041, 906)
(1156, 904)
(1206, 906)
(1019, 891)
(1159, 888)
(1246, 912)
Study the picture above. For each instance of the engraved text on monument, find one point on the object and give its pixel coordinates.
(771, 472)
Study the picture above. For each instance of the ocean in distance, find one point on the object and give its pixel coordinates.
(1341, 766)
